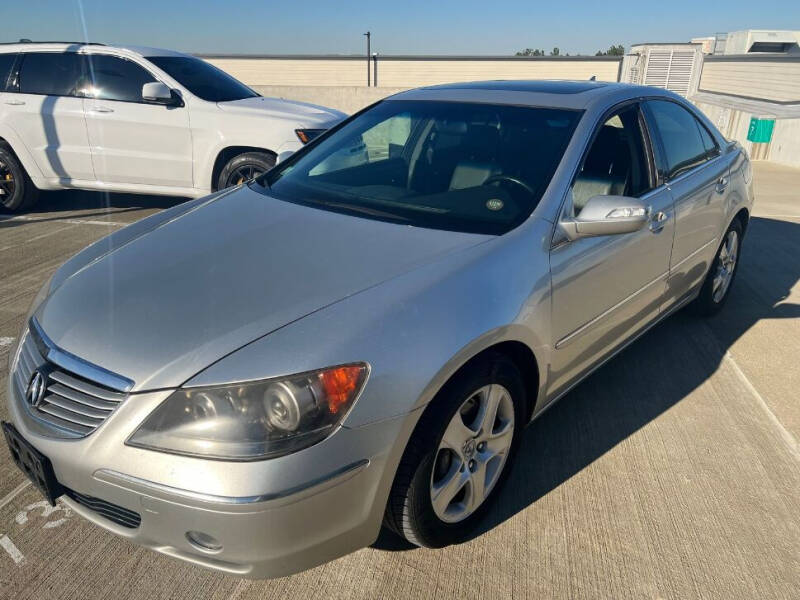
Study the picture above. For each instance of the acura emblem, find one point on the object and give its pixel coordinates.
(36, 389)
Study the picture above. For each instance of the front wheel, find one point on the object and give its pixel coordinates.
(459, 455)
(244, 167)
(719, 280)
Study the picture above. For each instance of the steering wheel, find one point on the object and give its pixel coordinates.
(500, 178)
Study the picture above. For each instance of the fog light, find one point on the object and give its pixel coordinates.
(203, 541)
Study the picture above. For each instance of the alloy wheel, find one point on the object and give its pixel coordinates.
(726, 265)
(472, 453)
(244, 173)
(7, 183)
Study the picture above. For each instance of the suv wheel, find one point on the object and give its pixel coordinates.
(244, 167)
(17, 191)
(459, 455)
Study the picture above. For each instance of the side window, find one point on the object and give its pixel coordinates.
(616, 163)
(117, 78)
(708, 142)
(52, 74)
(6, 62)
(681, 135)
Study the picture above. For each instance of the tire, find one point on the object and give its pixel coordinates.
(712, 298)
(18, 190)
(243, 167)
(410, 510)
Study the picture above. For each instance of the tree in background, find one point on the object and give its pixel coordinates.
(612, 51)
(555, 51)
(531, 52)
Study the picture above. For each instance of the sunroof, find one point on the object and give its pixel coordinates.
(545, 87)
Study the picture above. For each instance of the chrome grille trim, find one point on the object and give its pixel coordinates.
(72, 406)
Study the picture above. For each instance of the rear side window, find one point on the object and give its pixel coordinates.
(680, 133)
(52, 74)
(116, 78)
(6, 62)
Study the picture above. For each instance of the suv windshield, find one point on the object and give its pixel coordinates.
(469, 167)
(202, 79)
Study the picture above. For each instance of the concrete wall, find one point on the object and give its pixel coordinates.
(768, 78)
(409, 71)
(347, 98)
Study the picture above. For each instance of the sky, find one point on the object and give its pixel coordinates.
(400, 27)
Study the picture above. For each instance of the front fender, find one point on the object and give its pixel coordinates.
(8, 134)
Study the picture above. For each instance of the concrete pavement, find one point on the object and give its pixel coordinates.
(673, 472)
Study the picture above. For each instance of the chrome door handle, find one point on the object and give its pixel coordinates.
(722, 184)
(657, 221)
(102, 109)
(15, 102)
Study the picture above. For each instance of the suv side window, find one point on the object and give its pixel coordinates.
(117, 78)
(680, 132)
(6, 62)
(52, 74)
(616, 163)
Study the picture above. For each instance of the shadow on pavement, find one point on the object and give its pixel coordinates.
(620, 398)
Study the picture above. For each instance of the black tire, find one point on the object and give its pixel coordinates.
(708, 302)
(243, 167)
(409, 511)
(18, 190)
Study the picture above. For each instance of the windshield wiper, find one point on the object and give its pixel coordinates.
(364, 209)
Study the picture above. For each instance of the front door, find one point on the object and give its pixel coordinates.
(133, 141)
(607, 288)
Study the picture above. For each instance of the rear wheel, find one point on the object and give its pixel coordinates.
(17, 191)
(459, 455)
(244, 167)
(717, 286)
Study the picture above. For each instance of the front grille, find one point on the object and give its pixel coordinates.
(70, 403)
(112, 512)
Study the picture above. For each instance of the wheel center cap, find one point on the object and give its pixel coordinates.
(469, 448)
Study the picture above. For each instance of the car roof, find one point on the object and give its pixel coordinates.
(82, 46)
(576, 95)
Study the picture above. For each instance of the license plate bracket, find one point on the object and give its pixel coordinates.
(33, 463)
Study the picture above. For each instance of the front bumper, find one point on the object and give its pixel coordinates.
(272, 518)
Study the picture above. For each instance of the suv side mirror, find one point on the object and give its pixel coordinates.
(607, 215)
(157, 92)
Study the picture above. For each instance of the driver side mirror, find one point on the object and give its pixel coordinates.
(157, 92)
(606, 215)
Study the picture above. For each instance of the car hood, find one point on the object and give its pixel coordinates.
(165, 305)
(309, 114)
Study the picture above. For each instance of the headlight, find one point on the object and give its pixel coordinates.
(253, 420)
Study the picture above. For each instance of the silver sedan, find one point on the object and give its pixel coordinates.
(258, 381)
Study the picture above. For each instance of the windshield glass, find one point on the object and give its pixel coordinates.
(468, 167)
(202, 79)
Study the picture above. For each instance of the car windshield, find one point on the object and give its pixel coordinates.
(470, 167)
(202, 79)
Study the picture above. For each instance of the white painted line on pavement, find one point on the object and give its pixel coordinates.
(71, 221)
(784, 433)
(14, 493)
(12, 550)
(6, 341)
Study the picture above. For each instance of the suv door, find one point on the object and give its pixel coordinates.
(607, 288)
(134, 141)
(46, 110)
(697, 174)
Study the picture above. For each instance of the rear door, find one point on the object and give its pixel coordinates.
(134, 141)
(608, 288)
(46, 109)
(697, 174)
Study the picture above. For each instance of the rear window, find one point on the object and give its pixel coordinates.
(6, 62)
(52, 74)
(458, 166)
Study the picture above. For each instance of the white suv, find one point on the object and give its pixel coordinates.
(136, 120)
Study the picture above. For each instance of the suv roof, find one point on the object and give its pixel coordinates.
(24, 45)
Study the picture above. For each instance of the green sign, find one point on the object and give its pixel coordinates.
(760, 130)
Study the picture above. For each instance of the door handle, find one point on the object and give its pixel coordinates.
(102, 109)
(657, 221)
(15, 102)
(722, 184)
